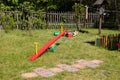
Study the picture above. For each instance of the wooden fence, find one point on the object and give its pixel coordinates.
(53, 19)
(68, 18)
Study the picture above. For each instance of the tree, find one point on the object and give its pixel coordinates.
(27, 9)
(79, 9)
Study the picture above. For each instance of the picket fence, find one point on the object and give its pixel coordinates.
(68, 18)
(52, 19)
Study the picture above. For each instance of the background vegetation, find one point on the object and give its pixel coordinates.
(28, 7)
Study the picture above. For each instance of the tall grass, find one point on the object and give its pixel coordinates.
(17, 46)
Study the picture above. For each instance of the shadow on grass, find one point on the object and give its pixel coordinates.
(91, 43)
(83, 31)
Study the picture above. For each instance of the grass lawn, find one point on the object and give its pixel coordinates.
(17, 46)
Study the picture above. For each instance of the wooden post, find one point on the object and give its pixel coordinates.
(86, 16)
(46, 19)
(61, 27)
(17, 20)
(101, 12)
(100, 25)
(0, 30)
(46, 16)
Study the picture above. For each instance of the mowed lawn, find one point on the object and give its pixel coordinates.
(17, 46)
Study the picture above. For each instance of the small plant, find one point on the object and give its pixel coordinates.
(38, 22)
(79, 9)
(27, 10)
(7, 22)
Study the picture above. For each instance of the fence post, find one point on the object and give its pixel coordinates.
(86, 16)
(17, 20)
(0, 30)
(46, 19)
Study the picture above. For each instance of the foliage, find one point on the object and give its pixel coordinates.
(7, 22)
(27, 9)
(53, 4)
(30, 16)
(29, 6)
(3, 7)
(78, 8)
(37, 20)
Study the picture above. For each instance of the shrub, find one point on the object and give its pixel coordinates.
(7, 22)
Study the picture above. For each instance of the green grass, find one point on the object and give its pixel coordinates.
(17, 46)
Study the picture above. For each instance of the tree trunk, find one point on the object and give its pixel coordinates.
(100, 25)
(29, 26)
(85, 21)
(77, 24)
(116, 15)
(0, 30)
(119, 26)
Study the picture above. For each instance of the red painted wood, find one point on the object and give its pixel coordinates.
(46, 46)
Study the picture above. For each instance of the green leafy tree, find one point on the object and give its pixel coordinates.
(79, 9)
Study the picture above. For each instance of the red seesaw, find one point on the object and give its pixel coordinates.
(46, 46)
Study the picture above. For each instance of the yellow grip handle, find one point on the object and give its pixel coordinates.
(61, 27)
(36, 47)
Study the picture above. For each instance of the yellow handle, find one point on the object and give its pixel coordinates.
(36, 47)
(61, 27)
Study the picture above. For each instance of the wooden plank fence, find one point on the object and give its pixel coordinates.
(69, 20)
(53, 19)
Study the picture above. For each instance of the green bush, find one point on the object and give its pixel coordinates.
(37, 20)
(7, 22)
(38, 23)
